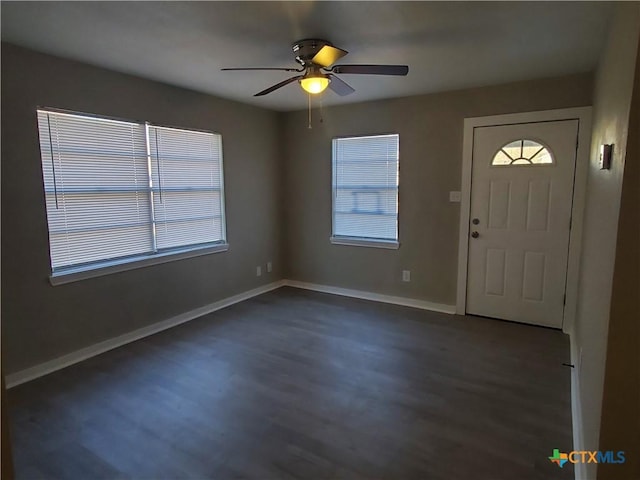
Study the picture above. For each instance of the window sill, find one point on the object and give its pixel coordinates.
(83, 273)
(365, 242)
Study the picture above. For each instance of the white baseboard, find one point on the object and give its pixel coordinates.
(59, 363)
(580, 471)
(376, 297)
(51, 366)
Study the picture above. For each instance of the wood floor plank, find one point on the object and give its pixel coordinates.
(300, 385)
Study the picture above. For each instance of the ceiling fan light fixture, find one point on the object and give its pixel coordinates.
(317, 70)
(314, 84)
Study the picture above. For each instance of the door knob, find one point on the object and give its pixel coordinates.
(475, 234)
(475, 221)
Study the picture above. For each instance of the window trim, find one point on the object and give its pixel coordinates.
(100, 268)
(74, 274)
(121, 119)
(364, 242)
(384, 243)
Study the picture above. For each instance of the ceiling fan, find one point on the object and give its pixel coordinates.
(316, 58)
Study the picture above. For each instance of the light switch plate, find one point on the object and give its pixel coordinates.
(455, 197)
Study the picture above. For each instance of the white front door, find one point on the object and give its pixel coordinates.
(521, 194)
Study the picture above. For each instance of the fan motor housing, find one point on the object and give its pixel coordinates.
(306, 49)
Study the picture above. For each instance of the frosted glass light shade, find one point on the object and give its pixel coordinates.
(314, 84)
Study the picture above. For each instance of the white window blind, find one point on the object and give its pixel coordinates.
(122, 191)
(186, 168)
(96, 188)
(365, 187)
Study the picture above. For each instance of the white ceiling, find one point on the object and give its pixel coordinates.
(447, 45)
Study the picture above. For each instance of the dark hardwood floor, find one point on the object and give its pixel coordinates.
(297, 384)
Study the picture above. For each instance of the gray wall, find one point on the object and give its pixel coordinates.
(278, 179)
(612, 100)
(620, 422)
(431, 131)
(41, 322)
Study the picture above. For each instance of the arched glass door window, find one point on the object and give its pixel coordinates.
(523, 152)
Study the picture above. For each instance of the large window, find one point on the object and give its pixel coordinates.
(119, 192)
(365, 191)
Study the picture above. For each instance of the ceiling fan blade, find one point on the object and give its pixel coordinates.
(372, 69)
(278, 85)
(340, 86)
(264, 68)
(328, 55)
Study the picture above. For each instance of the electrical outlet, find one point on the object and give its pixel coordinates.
(406, 275)
(269, 267)
(258, 271)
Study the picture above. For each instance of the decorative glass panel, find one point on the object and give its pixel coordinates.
(523, 152)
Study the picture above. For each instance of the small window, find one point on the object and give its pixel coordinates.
(365, 191)
(523, 152)
(118, 192)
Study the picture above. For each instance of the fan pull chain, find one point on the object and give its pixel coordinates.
(321, 110)
(309, 95)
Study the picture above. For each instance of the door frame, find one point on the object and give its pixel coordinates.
(583, 115)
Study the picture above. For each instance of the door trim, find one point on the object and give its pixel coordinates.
(583, 115)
